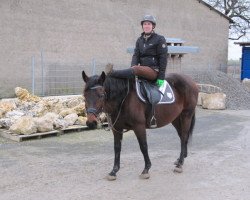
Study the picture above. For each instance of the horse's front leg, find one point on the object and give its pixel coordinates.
(142, 139)
(117, 150)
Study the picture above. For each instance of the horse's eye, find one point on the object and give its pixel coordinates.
(101, 95)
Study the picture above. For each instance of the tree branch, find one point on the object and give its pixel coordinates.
(238, 11)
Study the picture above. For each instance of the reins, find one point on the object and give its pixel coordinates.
(118, 115)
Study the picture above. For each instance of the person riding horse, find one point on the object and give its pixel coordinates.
(149, 60)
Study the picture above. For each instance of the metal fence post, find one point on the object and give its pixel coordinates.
(93, 66)
(42, 65)
(33, 74)
(209, 66)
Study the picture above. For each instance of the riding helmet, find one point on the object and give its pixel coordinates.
(149, 18)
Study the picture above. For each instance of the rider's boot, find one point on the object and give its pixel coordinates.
(123, 73)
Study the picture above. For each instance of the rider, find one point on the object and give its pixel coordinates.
(150, 56)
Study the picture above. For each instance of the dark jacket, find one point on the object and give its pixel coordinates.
(151, 52)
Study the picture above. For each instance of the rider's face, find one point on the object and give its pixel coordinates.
(147, 27)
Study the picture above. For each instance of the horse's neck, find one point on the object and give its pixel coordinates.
(113, 105)
(110, 107)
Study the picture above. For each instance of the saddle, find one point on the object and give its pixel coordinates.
(150, 93)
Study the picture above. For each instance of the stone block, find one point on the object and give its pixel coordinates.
(216, 101)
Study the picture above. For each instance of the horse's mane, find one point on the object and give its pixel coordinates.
(115, 88)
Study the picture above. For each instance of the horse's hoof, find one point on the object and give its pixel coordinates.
(178, 169)
(144, 176)
(111, 178)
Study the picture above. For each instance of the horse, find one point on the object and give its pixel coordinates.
(118, 99)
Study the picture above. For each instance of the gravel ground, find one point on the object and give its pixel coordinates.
(238, 97)
(74, 166)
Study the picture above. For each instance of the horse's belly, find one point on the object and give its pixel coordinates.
(167, 113)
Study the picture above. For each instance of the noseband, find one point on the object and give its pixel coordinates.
(92, 111)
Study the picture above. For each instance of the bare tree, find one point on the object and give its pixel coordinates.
(238, 11)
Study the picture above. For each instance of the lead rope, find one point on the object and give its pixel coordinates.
(110, 125)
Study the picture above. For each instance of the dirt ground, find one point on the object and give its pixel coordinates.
(74, 166)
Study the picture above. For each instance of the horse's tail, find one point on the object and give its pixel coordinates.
(190, 131)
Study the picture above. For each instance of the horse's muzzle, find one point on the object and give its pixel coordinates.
(91, 120)
(92, 124)
(92, 114)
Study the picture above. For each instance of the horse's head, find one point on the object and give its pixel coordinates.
(94, 97)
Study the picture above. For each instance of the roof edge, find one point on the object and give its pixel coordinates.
(243, 43)
(215, 10)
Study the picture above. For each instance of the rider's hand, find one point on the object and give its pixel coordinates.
(159, 82)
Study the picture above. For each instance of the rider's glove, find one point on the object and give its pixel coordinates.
(159, 82)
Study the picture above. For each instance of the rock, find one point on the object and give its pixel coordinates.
(14, 113)
(81, 121)
(80, 109)
(60, 123)
(66, 112)
(6, 106)
(73, 102)
(28, 108)
(44, 125)
(24, 125)
(12, 117)
(6, 123)
(42, 111)
(54, 105)
(200, 96)
(46, 122)
(51, 116)
(57, 107)
(216, 101)
(71, 118)
(21, 93)
(24, 95)
(2, 112)
(46, 106)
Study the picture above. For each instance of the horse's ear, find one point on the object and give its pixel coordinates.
(102, 78)
(85, 77)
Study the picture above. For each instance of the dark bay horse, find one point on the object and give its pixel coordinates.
(118, 98)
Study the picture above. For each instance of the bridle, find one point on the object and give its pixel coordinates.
(96, 112)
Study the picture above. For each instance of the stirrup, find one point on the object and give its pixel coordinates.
(153, 122)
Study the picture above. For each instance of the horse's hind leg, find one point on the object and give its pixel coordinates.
(140, 133)
(184, 125)
(117, 148)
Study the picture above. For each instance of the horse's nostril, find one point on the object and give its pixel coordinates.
(92, 125)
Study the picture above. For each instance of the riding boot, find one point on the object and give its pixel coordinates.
(124, 73)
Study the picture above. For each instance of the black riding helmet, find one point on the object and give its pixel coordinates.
(149, 18)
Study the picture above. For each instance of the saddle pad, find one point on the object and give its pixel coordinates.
(167, 95)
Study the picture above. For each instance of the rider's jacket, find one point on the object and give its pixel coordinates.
(151, 51)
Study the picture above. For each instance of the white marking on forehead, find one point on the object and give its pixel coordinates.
(94, 87)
